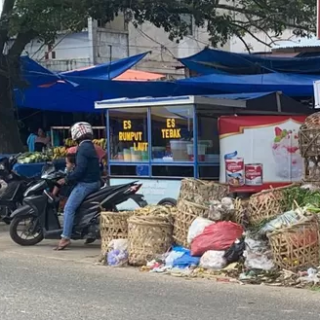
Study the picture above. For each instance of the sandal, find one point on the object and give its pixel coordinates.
(61, 247)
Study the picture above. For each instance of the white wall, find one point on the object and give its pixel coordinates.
(111, 45)
(150, 38)
(237, 46)
(69, 51)
(70, 46)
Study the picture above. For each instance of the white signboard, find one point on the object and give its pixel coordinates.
(153, 190)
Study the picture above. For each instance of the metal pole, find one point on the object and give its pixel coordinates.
(318, 19)
(278, 98)
(110, 60)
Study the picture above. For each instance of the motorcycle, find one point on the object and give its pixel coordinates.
(12, 188)
(41, 213)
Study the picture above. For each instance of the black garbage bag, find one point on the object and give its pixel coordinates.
(235, 252)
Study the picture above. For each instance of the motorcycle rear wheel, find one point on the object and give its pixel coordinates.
(16, 237)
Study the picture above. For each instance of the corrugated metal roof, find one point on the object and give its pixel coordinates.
(282, 54)
(297, 43)
(137, 75)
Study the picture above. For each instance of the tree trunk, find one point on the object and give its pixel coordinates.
(10, 141)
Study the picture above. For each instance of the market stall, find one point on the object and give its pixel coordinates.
(62, 134)
(155, 140)
(31, 164)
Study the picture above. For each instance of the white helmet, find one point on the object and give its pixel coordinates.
(80, 129)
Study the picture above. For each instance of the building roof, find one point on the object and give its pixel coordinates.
(297, 43)
(137, 75)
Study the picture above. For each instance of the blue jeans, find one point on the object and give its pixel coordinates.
(78, 194)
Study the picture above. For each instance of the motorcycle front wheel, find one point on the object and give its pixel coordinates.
(30, 228)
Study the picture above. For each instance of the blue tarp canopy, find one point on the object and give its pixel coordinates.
(77, 91)
(210, 61)
(106, 70)
(59, 92)
(292, 85)
(64, 97)
(37, 75)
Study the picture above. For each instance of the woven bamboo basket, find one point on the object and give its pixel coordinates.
(148, 236)
(186, 214)
(240, 207)
(266, 205)
(200, 191)
(309, 141)
(312, 169)
(113, 225)
(296, 247)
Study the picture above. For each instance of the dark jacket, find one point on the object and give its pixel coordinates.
(87, 164)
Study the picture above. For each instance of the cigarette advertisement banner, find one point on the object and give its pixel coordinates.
(260, 151)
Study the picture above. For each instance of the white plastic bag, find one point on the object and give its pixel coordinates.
(197, 227)
(118, 254)
(221, 210)
(213, 260)
(257, 255)
(286, 219)
(118, 244)
(311, 277)
(118, 258)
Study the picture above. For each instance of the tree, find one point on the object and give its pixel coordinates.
(223, 18)
(22, 21)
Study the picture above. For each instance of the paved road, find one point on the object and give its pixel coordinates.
(38, 288)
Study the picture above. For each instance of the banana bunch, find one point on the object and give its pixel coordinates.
(59, 152)
(102, 143)
(69, 143)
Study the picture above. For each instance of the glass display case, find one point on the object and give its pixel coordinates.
(162, 141)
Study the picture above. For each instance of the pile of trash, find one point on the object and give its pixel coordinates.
(223, 250)
(284, 278)
(220, 249)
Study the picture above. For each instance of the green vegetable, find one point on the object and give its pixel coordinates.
(303, 197)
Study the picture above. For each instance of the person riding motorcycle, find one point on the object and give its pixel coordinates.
(86, 177)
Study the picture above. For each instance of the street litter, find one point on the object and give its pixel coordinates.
(277, 249)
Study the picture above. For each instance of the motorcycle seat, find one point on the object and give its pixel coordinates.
(104, 191)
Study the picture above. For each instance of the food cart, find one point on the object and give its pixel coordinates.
(155, 140)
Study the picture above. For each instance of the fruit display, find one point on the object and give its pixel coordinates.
(54, 153)
(99, 142)
(102, 143)
(34, 157)
(69, 143)
(59, 152)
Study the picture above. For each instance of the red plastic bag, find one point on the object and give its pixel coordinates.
(217, 236)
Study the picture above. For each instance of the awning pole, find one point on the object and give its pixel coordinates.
(278, 101)
(318, 19)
